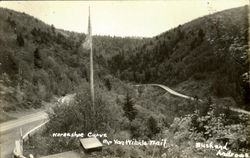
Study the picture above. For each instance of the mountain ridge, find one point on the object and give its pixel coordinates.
(33, 53)
(212, 48)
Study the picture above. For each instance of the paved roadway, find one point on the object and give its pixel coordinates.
(10, 131)
(188, 97)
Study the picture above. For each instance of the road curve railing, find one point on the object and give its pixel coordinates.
(18, 149)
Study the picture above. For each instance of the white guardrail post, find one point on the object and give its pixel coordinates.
(18, 150)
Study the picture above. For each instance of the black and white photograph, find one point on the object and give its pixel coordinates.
(125, 79)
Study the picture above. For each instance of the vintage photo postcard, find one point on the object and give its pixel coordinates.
(125, 79)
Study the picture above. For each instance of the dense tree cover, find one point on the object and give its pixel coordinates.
(214, 51)
(44, 61)
(202, 125)
(213, 126)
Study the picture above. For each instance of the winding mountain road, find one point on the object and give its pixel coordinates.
(189, 97)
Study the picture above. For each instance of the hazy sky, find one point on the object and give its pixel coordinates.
(121, 18)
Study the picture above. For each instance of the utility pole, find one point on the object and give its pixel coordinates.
(91, 64)
(88, 46)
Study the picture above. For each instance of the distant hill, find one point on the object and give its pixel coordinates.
(204, 57)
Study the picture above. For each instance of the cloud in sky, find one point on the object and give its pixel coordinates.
(121, 18)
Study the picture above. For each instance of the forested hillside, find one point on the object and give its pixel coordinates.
(205, 58)
(211, 51)
(39, 61)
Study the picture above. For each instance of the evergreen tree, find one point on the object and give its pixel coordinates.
(20, 40)
(53, 29)
(108, 84)
(37, 59)
(152, 126)
(128, 107)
